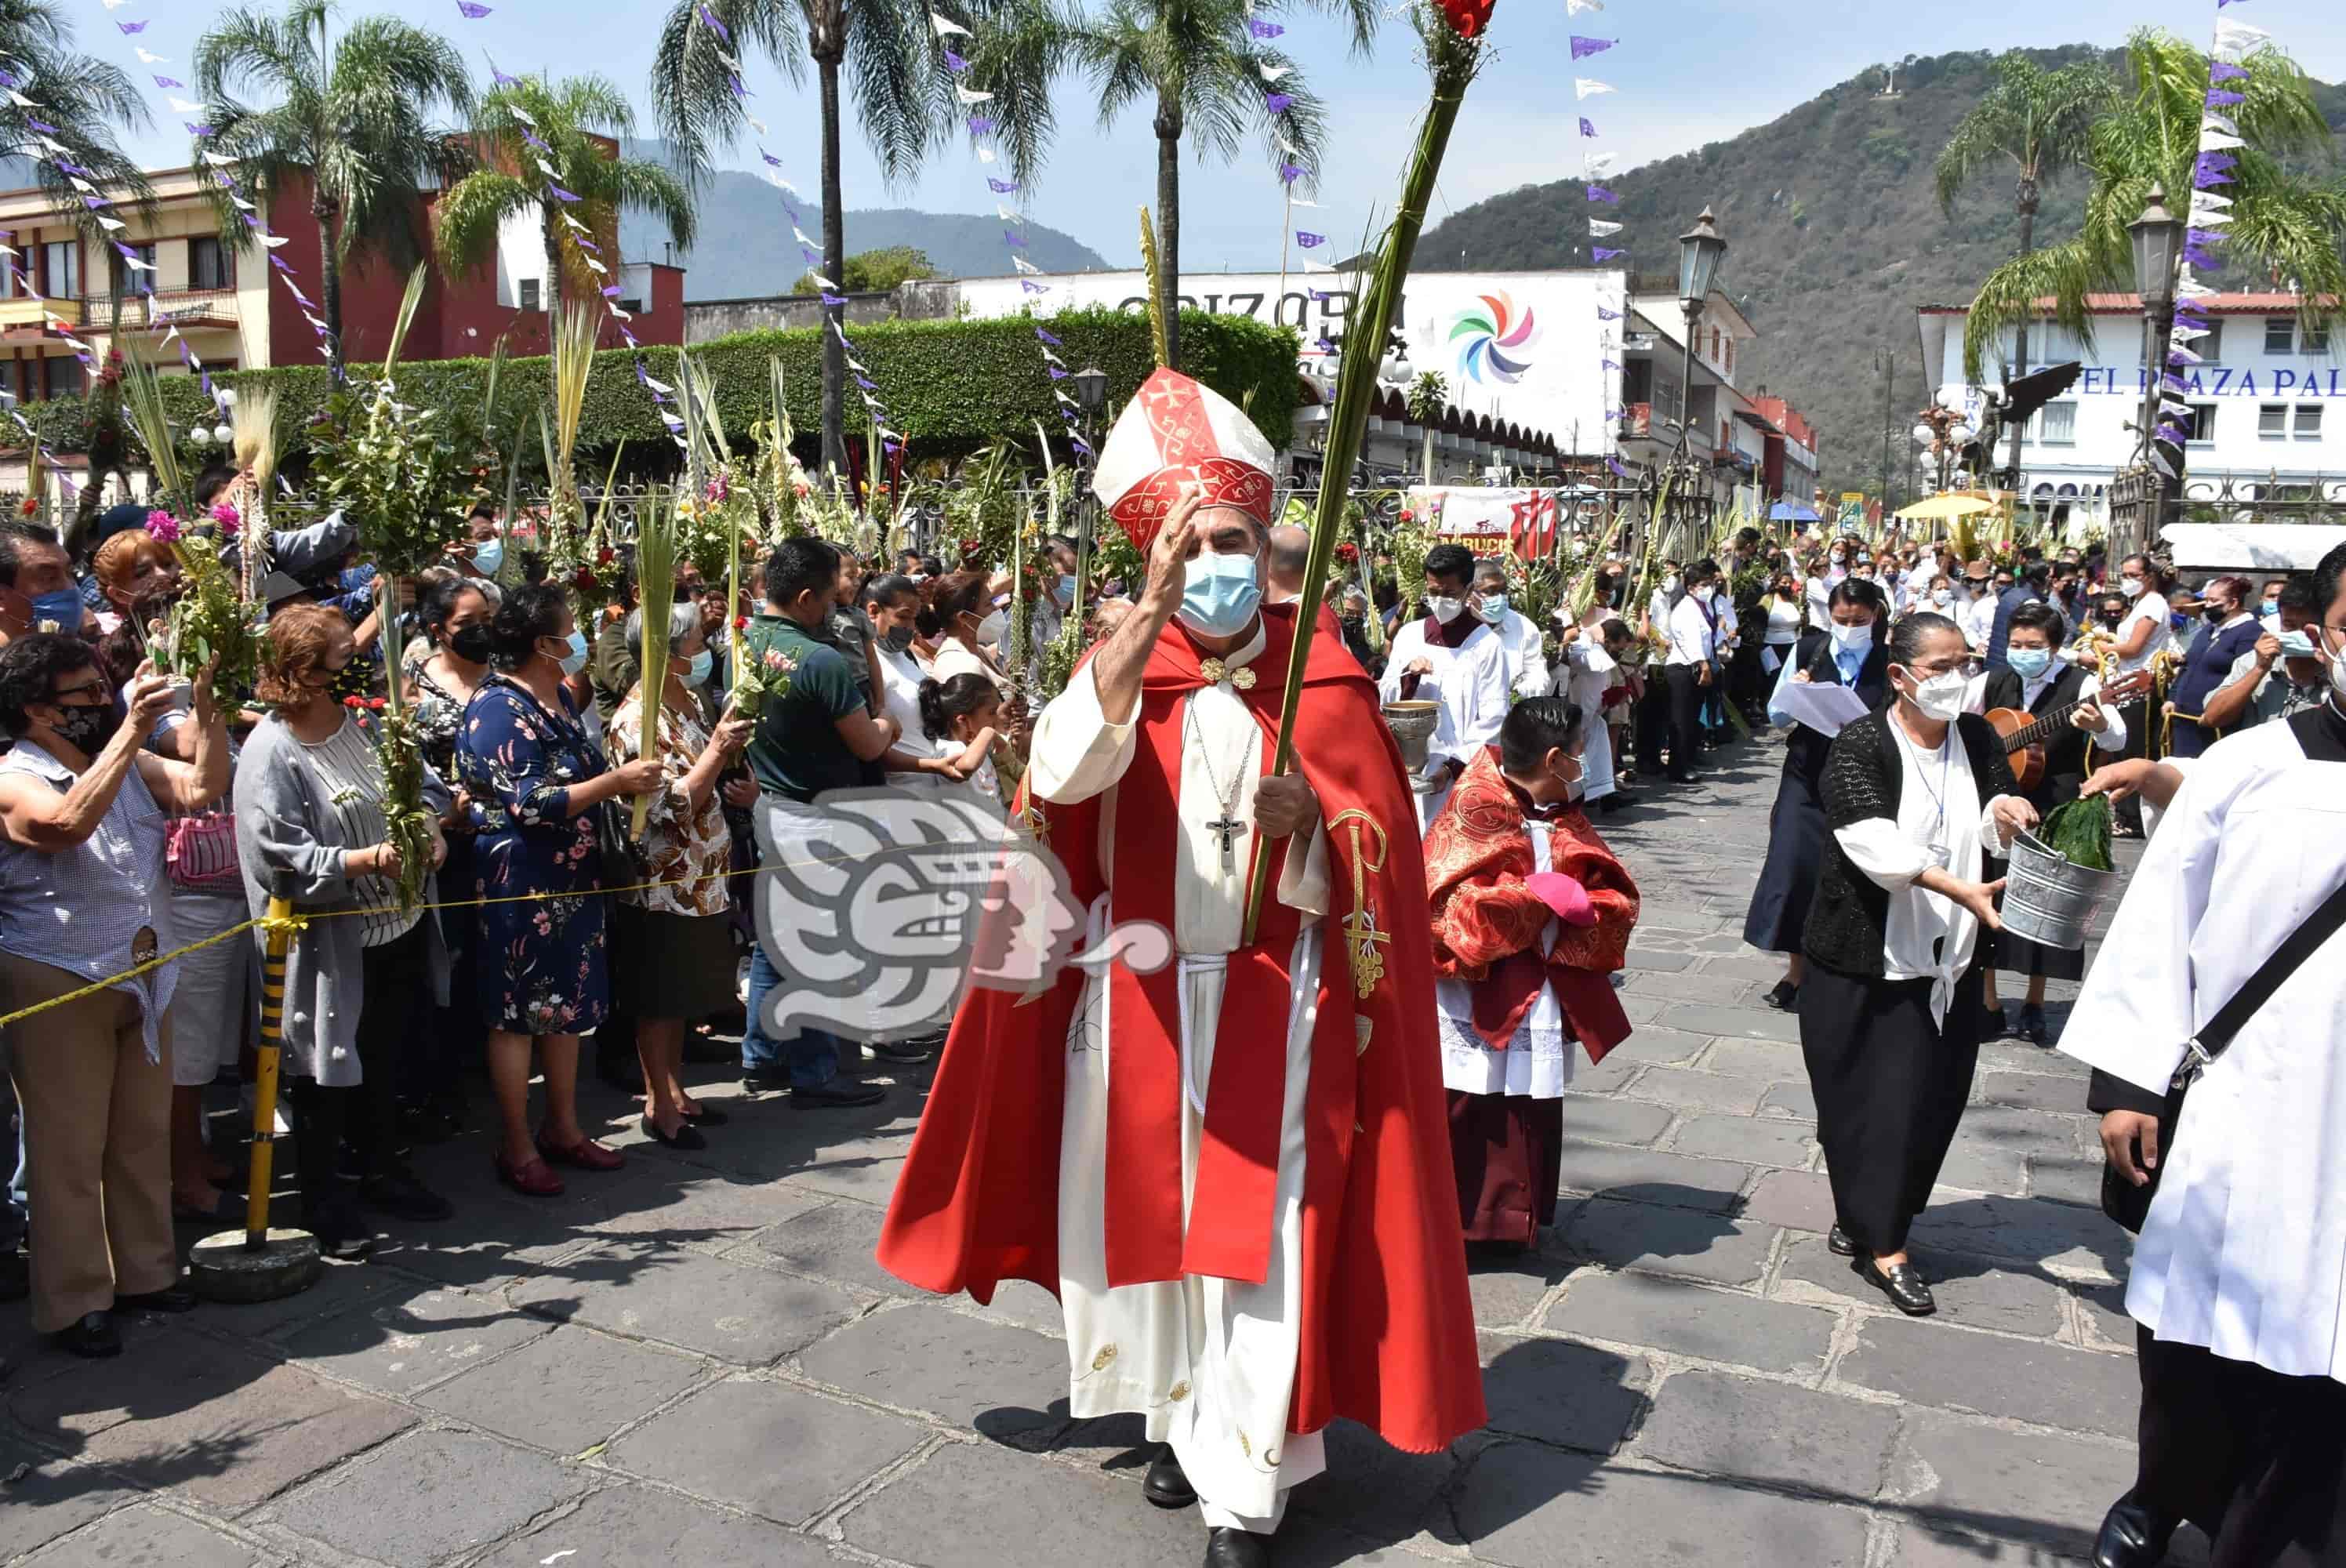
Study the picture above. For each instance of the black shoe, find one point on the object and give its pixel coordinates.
(685, 1137)
(1227, 1548)
(2002, 1022)
(340, 1234)
(905, 1053)
(401, 1196)
(1838, 1243)
(1165, 1485)
(1783, 996)
(836, 1095)
(1902, 1282)
(2131, 1536)
(174, 1299)
(1680, 777)
(1617, 801)
(93, 1336)
(776, 1082)
(2032, 1025)
(707, 1116)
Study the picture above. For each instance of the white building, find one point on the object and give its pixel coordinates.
(2268, 405)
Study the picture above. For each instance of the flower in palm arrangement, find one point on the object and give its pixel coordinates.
(29, 507)
(162, 526)
(228, 519)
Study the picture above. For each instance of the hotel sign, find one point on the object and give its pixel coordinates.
(2217, 380)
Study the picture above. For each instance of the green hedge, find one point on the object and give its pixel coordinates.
(949, 386)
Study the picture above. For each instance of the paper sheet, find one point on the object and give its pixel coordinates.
(1823, 708)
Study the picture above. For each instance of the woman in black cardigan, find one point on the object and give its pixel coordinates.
(1915, 795)
(1853, 653)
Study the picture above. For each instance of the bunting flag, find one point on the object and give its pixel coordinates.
(1588, 86)
(1583, 47)
(1612, 287)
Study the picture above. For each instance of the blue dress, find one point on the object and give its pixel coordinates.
(541, 961)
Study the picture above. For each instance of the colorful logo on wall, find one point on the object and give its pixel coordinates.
(1496, 334)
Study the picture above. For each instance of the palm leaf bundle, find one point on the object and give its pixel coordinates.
(568, 543)
(656, 559)
(213, 621)
(255, 420)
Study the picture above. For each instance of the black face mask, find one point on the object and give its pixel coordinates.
(470, 643)
(898, 639)
(2216, 614)
(86, 729)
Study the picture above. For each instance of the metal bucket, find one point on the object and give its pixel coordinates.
(2048, 900)
(1413, 725)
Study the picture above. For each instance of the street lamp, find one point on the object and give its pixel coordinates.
(2157, 237)
(1700, 250)
(1091, 388)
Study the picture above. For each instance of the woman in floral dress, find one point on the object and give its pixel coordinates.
(676, 941)
(536, 781)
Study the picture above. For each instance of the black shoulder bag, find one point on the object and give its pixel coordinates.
(2122, 1200)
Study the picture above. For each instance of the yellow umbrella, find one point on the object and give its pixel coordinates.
(1946, 509)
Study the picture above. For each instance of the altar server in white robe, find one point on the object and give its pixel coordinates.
(1527, 671)
(1589, 665)
(1452, 659)
(2238, 1287)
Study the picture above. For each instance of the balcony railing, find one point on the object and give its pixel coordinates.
(185, 307)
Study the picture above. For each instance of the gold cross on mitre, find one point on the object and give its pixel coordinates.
(1360, 933)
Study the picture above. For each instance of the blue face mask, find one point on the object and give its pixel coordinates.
(63, 606)
(2029, 663)
(576, 659)
(488, 555)
(2270, 607)
(1221, 595)
(2296, 645)
(702, 663)
(1066, 592)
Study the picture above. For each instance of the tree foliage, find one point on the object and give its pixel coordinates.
(876, 271)
(82, 104)
(2038, 119)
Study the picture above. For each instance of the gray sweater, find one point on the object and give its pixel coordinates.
(290, 844)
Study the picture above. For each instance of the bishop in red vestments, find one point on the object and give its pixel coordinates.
(1532, 914)
(1230, 1170)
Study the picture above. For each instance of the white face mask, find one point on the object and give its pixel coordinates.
(1942, 595)
(1444, 609)
(1851, 639)
(1939, 697)
(2336, 662)
(2131, 587)
(1837, 557)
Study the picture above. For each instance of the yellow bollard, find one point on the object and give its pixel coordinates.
(277, 941)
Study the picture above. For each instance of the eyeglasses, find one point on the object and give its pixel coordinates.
(88, 694)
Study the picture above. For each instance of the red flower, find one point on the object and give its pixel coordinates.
(31, 508)
(606, 555)
(1408, 516)
(740, 623)
(1468, 16)
(1348, 553)
(584, 580)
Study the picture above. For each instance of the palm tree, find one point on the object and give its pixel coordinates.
(904, 94)
(2286, 224)
(353, 114)
(1198, 64)
(2041, 122)
(571, 118)
(81, 103)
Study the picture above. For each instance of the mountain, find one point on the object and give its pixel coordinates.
(746, 251)
(1833, 238)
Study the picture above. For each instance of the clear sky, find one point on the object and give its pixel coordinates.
(1686, 72)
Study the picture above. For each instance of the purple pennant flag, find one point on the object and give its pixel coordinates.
(586, 244)
(1049, 339)
(979, 126)
(1032, 287)
(2223, 98)
(168, 82)
(812, 258)
(2203, 236)
(630, 336)
(1080, 445)
(2224, 71)
(471, 11)
(1264, 29)
(715, 26)
(504, 80)
(771, 161)
(1602, 254)
(2214, 169)
(1001, 187)
(1278, 103)
(1010, 237)
(8, 79)
(195, 129)
(280, 263)
(735, 83)
(1056, 373)
(72, 168)
(2173, 434)
(42, 126)
(133, 27)
(531, 138)
(955, 63)
(830, 299)
(1310, 241)
(1615, 464)
(96, 203)
(1583, 47)
(2172, 382)
(1599, 193)
(561, 195)
(1289, 173)
(2202, 259)
(867, 385)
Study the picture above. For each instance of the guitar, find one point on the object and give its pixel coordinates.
(2025, 734)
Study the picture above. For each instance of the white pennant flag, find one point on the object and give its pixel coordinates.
(1600, 229)
(799, 235)
(56, 148)
(148, 59)
(1588, 86)
(1598, 163)
(855, 364)
(1055, 359)
(2210, 120)
(971, 95)
(822, 283)
(2217, 142)
(2189, 286)
(1023, 264)
(20, 100)
(594, 266)
(111, 225)
(730, 62)
(522, 115)
(78, 183)
(1272, 73)
(945, 27)
(660, 386)
(2189, 356)
(1574, 7)
(985, 155)
(756, 123)
(1311, 266)
(273, 240)
(241, 204)
(546, 169)
(2238, 38)
(182, 107)
(617, 313)
(2184, 334)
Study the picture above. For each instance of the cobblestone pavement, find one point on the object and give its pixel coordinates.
(696, 1360)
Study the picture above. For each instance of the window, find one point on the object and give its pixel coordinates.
(2272, 421)
(2057, 424)
(127, 280)
(2211, 347)
(2281, 334)
(2203, 423)
(211, 264)
(60, 376)
(2308, 421)
(61, 269)
(632, 307)
(2316, 340)
(1731, 356)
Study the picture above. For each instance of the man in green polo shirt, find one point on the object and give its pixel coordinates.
(818, 736)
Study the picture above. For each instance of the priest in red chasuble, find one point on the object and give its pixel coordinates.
(1531, 915)
(1231, 1170)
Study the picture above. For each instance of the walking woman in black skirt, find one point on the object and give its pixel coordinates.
(1915, 795)
(1853, 653)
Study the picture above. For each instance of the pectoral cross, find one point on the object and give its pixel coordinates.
(1228, 831)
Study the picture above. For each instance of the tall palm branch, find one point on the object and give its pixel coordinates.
(353, 113)
(84, 104)
(572, 117)
(1199, 67)
(891, 60)
(2288, 205)
(2040, 122)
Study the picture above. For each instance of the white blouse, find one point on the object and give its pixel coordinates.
(1942, 822)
